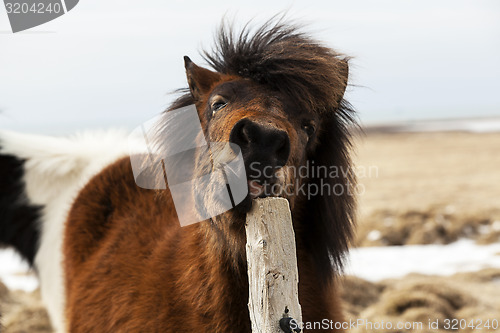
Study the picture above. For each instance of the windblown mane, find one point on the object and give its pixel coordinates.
(313, 77)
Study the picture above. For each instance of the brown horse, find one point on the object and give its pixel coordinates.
(129, 266)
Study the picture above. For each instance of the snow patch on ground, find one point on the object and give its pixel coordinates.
(378, 263)
(15, 273)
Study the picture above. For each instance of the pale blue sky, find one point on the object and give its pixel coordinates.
(112, 63)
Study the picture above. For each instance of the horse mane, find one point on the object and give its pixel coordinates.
(313, 77)
(280, 56)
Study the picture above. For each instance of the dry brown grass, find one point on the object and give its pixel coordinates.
(418, 171)
(432, 226)
(22, 312)
(428, 188)
(420, 298)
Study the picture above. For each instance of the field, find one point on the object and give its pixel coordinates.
(430, 188)
(416, 188)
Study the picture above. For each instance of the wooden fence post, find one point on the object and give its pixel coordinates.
(272, 266)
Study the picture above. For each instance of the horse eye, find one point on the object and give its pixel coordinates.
(217, 105)
(309, 129)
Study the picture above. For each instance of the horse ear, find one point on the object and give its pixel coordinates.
(200, 79)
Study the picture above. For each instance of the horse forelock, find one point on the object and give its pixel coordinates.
(279, 55)
(282, 57)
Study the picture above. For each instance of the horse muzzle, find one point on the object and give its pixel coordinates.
(265, 149)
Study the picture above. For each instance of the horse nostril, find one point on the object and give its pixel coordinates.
(239, 134)
(261, 142)
(283, 150)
